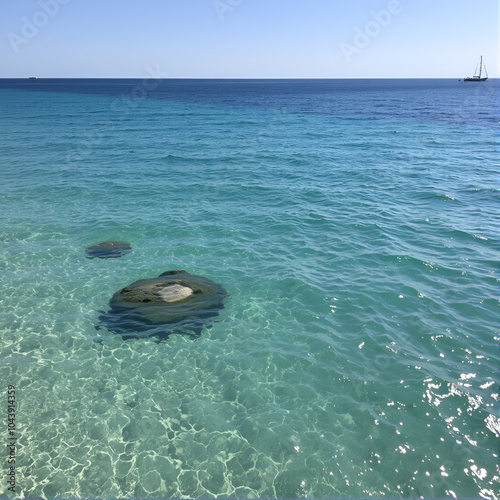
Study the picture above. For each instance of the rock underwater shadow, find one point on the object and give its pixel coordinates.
(108, 250)
(174, 302)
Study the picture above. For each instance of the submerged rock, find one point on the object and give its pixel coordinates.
(108, 250)
(174, 301)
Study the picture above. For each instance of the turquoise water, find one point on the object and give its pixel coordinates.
(354, 226)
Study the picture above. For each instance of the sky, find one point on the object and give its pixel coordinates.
(248, 38)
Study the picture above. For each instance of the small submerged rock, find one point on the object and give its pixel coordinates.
(160, 306)
(108, 250)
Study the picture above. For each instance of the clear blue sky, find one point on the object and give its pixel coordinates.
(248, 38)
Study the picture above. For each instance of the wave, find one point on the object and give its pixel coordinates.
(198, 159)
(432, 195)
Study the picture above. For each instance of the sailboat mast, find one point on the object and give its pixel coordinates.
(480, 66)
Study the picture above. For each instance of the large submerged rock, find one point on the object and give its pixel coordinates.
(174, 301)
(108, 250)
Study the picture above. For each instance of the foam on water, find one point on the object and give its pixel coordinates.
(357, 350)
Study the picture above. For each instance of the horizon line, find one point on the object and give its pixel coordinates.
(234, 78)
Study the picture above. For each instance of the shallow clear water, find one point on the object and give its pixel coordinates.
(354, 225)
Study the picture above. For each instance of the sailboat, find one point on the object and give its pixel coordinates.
(478, 74)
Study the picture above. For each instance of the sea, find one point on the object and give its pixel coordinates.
(354, 227)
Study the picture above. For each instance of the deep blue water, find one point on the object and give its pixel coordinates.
(354, 226)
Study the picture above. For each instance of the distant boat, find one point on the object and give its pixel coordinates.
(478, 75)
(32, 78)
